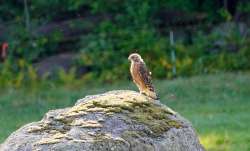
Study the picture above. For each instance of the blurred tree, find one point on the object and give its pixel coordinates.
(27, 16)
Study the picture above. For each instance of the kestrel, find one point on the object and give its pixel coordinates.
(141, 76)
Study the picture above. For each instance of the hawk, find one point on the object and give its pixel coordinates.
(141, 76)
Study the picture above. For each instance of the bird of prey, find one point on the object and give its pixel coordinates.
(141, 76)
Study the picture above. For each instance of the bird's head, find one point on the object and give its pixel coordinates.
(135, 57)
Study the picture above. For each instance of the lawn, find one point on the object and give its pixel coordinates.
(217, 105)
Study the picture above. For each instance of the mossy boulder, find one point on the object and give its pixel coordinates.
(116, 121)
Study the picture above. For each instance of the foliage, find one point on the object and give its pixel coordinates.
(205, 55)
(244, 7)
(113, 31)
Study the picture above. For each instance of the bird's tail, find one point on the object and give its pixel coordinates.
(152, 94)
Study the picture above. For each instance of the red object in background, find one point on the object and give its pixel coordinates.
(4, 51)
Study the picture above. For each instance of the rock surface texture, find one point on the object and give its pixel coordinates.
(114, 121)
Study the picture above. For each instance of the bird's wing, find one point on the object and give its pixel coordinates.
(145, 76)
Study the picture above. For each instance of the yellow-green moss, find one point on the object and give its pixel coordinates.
(86, 123)
(56, 138)
(36, 129)
(155, 117)
(137, 107)
(133, 134)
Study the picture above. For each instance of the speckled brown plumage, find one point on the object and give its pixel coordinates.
(141, 76)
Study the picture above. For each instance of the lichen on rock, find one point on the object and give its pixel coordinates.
(116, 120)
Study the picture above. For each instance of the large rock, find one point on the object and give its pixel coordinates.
(113, 121)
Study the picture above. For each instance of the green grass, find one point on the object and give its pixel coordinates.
(217, 105)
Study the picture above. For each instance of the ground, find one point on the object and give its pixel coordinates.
(217, 105)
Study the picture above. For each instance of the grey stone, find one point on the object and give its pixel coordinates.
(114, 121)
